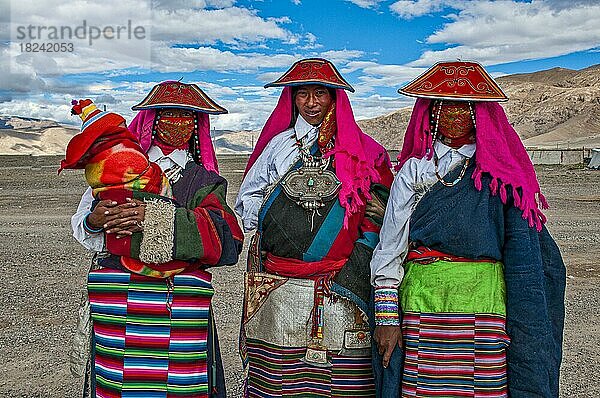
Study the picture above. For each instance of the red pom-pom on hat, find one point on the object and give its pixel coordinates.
(84, 108)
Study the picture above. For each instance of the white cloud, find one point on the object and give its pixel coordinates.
(245, 114)
(96, 36)
(248, 106)
(366, 3)
(506, 31)
(378, 75)
(180, 34)
(339, 56)
(167, 23)
(373, 68)
(561, 4)
(163, 29)
(46, 96)
(297, 2)
(255, 91)
(268, 77)
(39, 108)
(227, 25)
(23, 80)
(311, 42)
(106, 99)
(376, 105)
(53, 102)
(170, 59)
(409, 9)
(178, 4)
(220, 3)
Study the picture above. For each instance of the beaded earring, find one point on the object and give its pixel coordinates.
(156, 119)
(472, 112)
(196, 142)
(437, 120)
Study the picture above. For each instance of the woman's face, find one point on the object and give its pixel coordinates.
(312, 102)
(455, 119)
(174, 126)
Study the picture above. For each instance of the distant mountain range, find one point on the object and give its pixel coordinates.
(549, 109)
(29, 136)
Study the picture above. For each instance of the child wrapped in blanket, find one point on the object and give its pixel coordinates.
(114, 161)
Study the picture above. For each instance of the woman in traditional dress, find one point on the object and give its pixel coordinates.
(314, 191)
(464, 253)
(153, 333)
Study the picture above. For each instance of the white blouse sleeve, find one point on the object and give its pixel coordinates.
(386, 265)
(91, 241)
(389, 254)
(252, 192)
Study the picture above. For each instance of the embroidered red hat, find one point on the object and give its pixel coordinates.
(95, 124)
(458, 81)
(312, 71)
(179, 95)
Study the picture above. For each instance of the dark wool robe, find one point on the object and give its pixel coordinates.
(465, 222)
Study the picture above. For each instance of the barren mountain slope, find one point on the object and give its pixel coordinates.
(547, 108)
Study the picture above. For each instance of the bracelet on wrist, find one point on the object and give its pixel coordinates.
(386, 306)
(89, 229)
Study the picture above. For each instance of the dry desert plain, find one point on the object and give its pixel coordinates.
(43, 272)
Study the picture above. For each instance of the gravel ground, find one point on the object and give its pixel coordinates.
(44, 271)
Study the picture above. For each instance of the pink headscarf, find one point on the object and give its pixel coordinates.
(142, 124)
(499, 153)
(357, 156)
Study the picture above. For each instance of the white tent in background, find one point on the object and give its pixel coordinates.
(595, 160)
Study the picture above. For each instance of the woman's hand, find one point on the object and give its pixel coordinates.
(98, 217)
(125, 219)
(387, 338)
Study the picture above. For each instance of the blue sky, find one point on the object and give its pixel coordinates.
(231, 48)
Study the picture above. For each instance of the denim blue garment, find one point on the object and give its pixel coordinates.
(535, 284)
(463, 221)
(460, 220)
(387, 380)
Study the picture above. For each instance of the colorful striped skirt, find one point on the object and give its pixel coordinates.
(275, 333)
(454, 330)
(277, 371)
(150, 335)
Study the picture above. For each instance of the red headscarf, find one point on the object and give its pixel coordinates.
(357, 156)
(499, 152)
